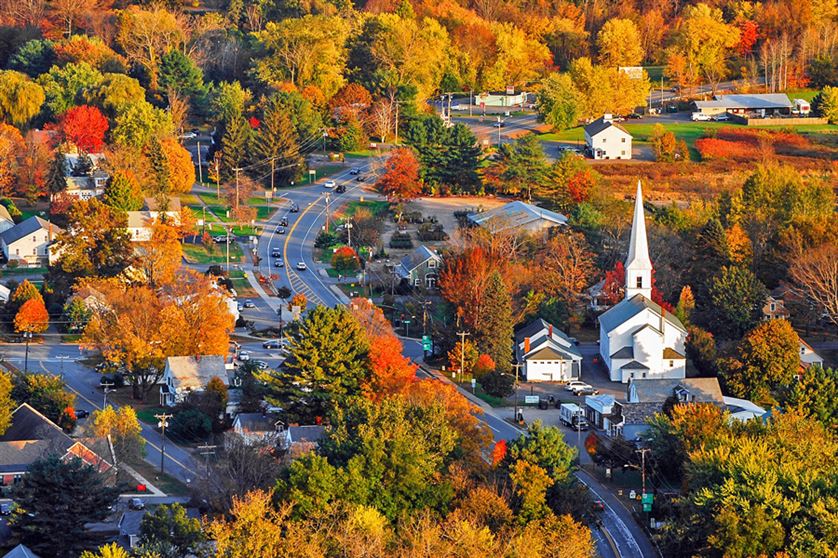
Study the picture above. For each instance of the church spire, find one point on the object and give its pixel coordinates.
(638, 264)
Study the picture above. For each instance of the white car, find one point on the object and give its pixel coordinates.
(302, 266)
(189, 135)
(575, 385)
(700, 117)
(244, 356)
(329, 184)
(457, 106)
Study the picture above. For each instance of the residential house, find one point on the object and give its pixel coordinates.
(518, 215)
(29, 241)
(637, 337)
(764, 104)
(298, 440)
(140, 223)
(597, 297)
(185, 374)
(420, 268)
(32, 436)
(605, 139)
(603, 412)
(743, 410)
(775, 306)
(808, 356)
(259, 428)
(6, 221)
(547, 353)
(20, 551)
(84, 186)
(5, 293)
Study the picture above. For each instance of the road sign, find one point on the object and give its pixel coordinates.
(530, 400)
(647, 500)
(426, 343)
(510, 89)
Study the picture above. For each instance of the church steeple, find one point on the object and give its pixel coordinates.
(638, 264)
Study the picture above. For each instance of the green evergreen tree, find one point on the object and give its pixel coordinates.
(737, 297)
(123, 193)
(816, 395)
(159, 166)
(494, 332)
(83, 165)
(543, 446)
(326, 366)
(277, 139)
(524, 165)
(234, 146)
(55, 499)
(76, 314)
(56, 179)
(179, 73)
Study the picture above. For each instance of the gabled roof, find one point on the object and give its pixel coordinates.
(515, 214)
(4, 214)
(634, 365)
(27, 227)
(29, 424)
(20, 551)
(151, 204)
(536, 326)
(671, 353)
(601, 124)
(701, 390)
(418, 257)
(628, 308)
(189, 372)
(625, 352)
(550, 353)
(308, 433)
(256, 422)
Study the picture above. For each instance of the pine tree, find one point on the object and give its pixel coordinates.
(159, 166)
(123, 193)
(277, 139)
(60, 497)
(56, 180)
(83, 165)
(494, 332)
(327, 365)
(234, 146)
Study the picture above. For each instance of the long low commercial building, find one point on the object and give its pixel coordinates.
(765, 104)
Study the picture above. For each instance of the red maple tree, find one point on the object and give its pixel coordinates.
(392, 372)
(498, 452)
(400, 180)
(85, 126)
(579, 185)
(748, 35)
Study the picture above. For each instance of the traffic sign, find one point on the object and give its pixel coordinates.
(426, 343)
(646, 500)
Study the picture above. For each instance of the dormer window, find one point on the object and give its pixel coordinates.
(639, 281)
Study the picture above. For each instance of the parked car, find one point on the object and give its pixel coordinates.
(279, 263)
(634, 116)
(721, 118)
(6, 508)
(189, 135)
(573, 384)
(221, 239)
(341, 188)
(700, 117)
(136, 504)
(244, 356)
(82, 413)
(329, 184)
(302, 266)
(249, 304)
(272, 344)
(587, 390)
(260, 364)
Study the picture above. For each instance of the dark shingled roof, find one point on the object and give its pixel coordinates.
(601, 124)
(634, 365)
(628, 308)
(625, 352)
(27, 227)
(20, 551)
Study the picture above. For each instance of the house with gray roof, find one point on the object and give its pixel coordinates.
(420, 268)
(185, 374)
(21, 551)
(32, 436)
(29, 241)
(524, 217)
(605, 139)
(547, 353)
(257, 428)
(141, 222)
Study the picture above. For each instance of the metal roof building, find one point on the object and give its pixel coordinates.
(518, 215)
(773, 102)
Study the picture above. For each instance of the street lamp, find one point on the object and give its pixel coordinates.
(26, 335)
(163, 423)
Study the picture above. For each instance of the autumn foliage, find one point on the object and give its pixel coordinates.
(400, 180)
(345, 259)
(181, 168)
(32, 317)
(85, 126)
(499, 452)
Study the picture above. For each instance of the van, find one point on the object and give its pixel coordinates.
(700, 117)
(571, 415)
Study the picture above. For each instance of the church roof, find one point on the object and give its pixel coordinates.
(625, 352)
(672, 354)
(647, 326)
(628, 308)
(634, 365)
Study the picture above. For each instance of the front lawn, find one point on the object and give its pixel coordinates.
(199, 254)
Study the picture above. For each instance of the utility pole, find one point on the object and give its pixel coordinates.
(425, 304)
(200, 174)
(207, 451)
(499, 124)
(273, 172)
(227, 241)
(61, 359)
(163, 423)
(642, 452)
(26, 335)
(324, 141)
(236, 170)
(397, 122)
(348, 226)
(218, 176)
(327, 213)
(105, 391)
(517, 367)
(470, 94)
(463, 335)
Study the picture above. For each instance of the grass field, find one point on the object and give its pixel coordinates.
(242, 285)
(376, 207)
(164, 482)
(198, 254)
(805, 94)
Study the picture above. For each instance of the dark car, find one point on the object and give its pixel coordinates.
(360, 178)
(341, 188)
(588, 390)
(136, 504)
(634, 116)
(294, 208)
(6, 508)
(81, 413)
(276, 254)
(355, 171)
(280, 230)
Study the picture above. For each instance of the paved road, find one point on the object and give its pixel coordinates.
(61, 359)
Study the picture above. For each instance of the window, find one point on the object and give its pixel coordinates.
(35, 251)
(623, 153)
(644, 374)
(34, 238)
(639, 282)
(17, 251)
(431, 264)
(603, 140)
(623, 140)
(671, 363)
(773, 306)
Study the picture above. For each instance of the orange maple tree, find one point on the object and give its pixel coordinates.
(32, 317)
(391, 372)
(400, 180)
(181, 168)
(85, 126)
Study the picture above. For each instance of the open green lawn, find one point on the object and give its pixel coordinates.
(805, 94)
(164, 482)
(198, 253)
(325, 171)
(361, 154)
(376, 207)
(242, 285)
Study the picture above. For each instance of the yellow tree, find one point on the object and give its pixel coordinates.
(122, 428)
(161, 256)
(20, 98)
(180, 166)
(145, 35)
(11, 148)
(618, 43)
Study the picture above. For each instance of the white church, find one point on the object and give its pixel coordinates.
(638, 338)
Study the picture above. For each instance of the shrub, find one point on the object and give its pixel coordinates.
(497, 384)
(190, 425)
(10, 206)
(345, 259)
(432, 231)
(401, 240)
(324, 240)
(714, 148)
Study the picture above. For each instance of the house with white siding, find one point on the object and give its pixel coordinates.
(605, 139)
(29, 241)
